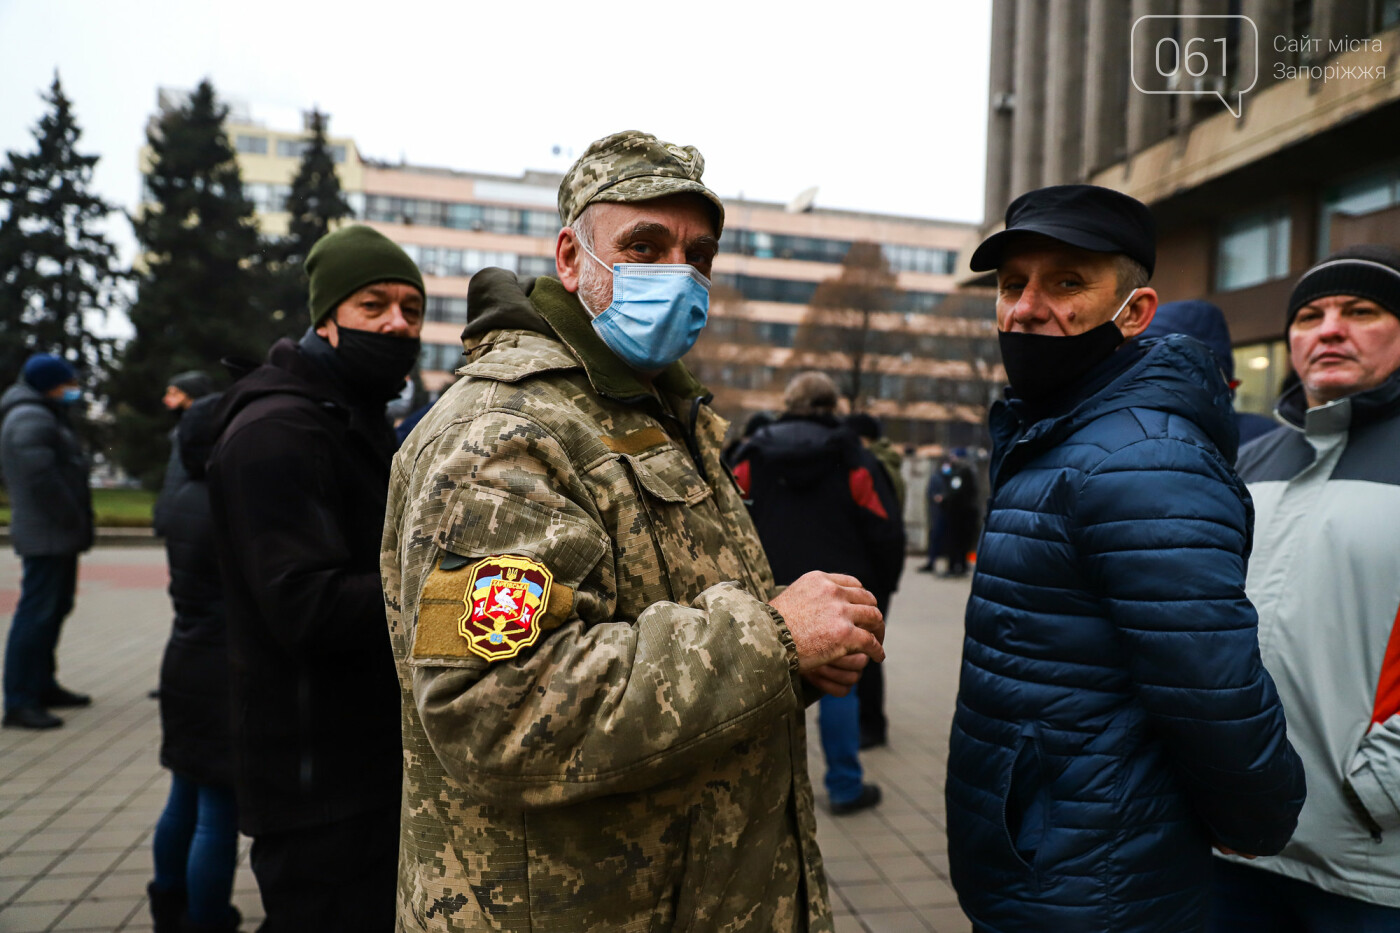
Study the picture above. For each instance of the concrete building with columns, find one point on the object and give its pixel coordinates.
(928, 352)
(1244, 204)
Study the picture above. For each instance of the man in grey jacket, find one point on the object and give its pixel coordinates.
(46, 474)
(1325, 578)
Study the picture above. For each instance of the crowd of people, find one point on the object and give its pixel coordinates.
(543, 663)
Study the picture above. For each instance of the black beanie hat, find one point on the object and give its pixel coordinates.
(1366, 271)
(343, 262)
(193, 383)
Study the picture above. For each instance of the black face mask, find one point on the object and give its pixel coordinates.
(1039, 366)
(376, 363)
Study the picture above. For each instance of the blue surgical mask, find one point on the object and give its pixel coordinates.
(657, 312)
(71, 396)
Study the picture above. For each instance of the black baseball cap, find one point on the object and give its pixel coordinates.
(1087, 216)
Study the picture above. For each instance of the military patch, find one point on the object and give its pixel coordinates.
(503, 601)
(446, 630)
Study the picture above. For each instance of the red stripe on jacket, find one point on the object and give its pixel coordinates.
(863, 491)
(1388, 689)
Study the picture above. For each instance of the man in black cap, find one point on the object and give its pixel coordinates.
(1113, 718)
(1325, 574)
(298, 484)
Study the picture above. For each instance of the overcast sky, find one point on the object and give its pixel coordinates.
(881, 105)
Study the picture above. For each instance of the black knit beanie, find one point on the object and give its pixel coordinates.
(1366, 271)
(343, 262)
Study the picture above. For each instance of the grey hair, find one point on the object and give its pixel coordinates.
(810, 393)
(583, 226)
(1130, 274)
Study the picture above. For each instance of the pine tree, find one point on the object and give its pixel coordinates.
(316, 206)
(200, 292)
(57, 269)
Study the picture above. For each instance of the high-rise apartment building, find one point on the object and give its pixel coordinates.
(1244, 204)
(927, 353)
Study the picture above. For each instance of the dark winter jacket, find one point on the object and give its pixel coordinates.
(298, 482)
(1113, 717)
(821, 501)
(45, 473)
(194, 681)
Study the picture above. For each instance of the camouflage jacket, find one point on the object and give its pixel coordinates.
(602, 719)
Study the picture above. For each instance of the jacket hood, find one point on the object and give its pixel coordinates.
(198, 431)
(1175, 374)
(802, 448)
(22, 393)
(1199, 319)
(286, 372)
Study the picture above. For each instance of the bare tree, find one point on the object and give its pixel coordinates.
(840, 316)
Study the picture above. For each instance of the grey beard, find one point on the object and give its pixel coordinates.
(594, 290)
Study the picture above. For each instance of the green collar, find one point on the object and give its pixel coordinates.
(566, 316)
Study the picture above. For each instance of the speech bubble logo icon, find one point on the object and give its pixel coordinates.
(1196, 56)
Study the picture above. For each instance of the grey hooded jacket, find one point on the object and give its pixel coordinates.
(1325, 578)
(46, 474)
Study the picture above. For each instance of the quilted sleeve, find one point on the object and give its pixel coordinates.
(1164, 526)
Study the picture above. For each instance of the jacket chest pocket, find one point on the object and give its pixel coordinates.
(672, 540)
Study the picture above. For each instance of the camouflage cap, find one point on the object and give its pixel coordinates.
(633, 166)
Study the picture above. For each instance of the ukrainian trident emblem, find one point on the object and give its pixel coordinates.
(504, 598)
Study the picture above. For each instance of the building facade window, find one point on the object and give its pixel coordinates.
(1260, 369)
(1374, 191)
(797, 291)
(1252, 249)
(441, 260)
(440, 357)
(446, 310)
(460, 216)
(252, 145)
(761, 245)
(267, 199)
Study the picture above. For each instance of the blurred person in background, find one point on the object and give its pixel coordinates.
(960, 509)
(822, 501)
(182, 392)
(45, 472)
(874, 725)
(1325, 576)
(937, 520)
(1206, 322)
(298, 482)
(196, 837)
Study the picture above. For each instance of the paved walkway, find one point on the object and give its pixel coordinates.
(77, 804)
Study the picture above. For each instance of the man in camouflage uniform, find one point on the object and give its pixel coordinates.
(603, 714)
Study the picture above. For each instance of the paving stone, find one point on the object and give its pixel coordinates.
(872, 897)
(904, 867)
(947, 920)
(107, 914)
(895, 922)
(31, 918)
(52, 889)
(926, 892)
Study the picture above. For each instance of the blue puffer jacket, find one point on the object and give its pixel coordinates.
(1113, 717)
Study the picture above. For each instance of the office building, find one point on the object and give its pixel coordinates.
(928, 354)
(1243, 204)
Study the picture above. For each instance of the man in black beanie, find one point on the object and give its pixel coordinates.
(1325, 576)
(298, 484)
